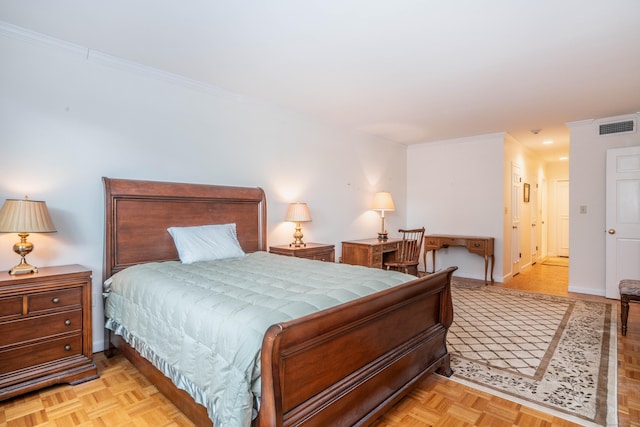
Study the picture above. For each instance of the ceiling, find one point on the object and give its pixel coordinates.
(410, 71)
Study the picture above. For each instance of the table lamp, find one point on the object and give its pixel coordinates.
(23, 217)
(298, 212)
(382, 202)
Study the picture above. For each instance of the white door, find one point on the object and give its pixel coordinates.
(544, 211)
(534, 223)
(622, 217)
(562, 206)
(516, 202)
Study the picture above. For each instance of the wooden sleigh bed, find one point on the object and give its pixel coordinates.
(377, 347)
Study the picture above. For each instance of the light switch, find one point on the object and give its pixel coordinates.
(583, 209)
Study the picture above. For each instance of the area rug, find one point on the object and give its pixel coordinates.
(556, 261)
(554, 354)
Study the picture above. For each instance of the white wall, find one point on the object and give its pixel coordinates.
(455, 187)
(587, 171)
(69, 116)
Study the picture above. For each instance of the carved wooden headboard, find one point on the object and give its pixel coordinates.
(138, 214)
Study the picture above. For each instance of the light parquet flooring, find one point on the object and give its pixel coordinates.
(123, 397)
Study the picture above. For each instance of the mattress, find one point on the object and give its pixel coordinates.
(202, 324)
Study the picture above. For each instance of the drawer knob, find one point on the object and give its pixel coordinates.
(67, 322)
(55, 300)
(476, 245)
(67, 347)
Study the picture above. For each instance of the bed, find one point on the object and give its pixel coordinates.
(342, 365)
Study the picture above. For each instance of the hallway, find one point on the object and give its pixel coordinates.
(547, 279)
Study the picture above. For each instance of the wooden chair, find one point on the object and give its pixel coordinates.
(408, 254)
(629, 291)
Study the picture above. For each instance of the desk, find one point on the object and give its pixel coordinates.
(369, 252)
(480, 245)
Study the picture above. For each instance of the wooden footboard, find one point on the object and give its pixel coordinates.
(344, 366)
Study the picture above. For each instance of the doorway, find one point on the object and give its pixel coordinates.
(547, 269)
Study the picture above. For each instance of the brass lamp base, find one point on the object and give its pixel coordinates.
(382, 234)
(23, 248)
(23, 268)
(297, 237)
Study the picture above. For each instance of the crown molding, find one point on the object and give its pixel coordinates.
(22, 34)
(156, 73)
(88, 54)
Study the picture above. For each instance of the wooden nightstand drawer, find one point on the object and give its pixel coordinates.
(31, 355)
(10, 306)
(45, 329)
(326, 257)
(33, 328)
(59, 299)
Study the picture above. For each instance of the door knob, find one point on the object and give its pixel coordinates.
(611, 231)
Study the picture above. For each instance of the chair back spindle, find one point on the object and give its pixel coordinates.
(408, 254)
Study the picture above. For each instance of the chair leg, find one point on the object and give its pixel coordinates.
(624, 313)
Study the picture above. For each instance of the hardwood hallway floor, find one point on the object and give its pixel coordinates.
(123, 397)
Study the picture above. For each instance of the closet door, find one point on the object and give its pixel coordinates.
(622, 217)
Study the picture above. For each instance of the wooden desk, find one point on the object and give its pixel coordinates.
(369, 252)
(480, 245)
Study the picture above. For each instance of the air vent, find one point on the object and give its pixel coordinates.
(618, 127)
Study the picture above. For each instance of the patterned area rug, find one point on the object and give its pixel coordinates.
(551, 353)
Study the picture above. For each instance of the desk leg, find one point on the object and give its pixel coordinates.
(486, 264)
(493, 262)
(424, 260)
(433, 259)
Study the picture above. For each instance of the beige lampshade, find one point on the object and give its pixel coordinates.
(382, 201)
(298, 212)
(25, 216)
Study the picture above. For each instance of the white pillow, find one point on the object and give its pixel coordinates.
(206, 242)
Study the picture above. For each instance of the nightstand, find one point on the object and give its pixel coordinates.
(317, 251)
(45, 329)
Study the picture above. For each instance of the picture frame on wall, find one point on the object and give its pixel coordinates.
(527, 192)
